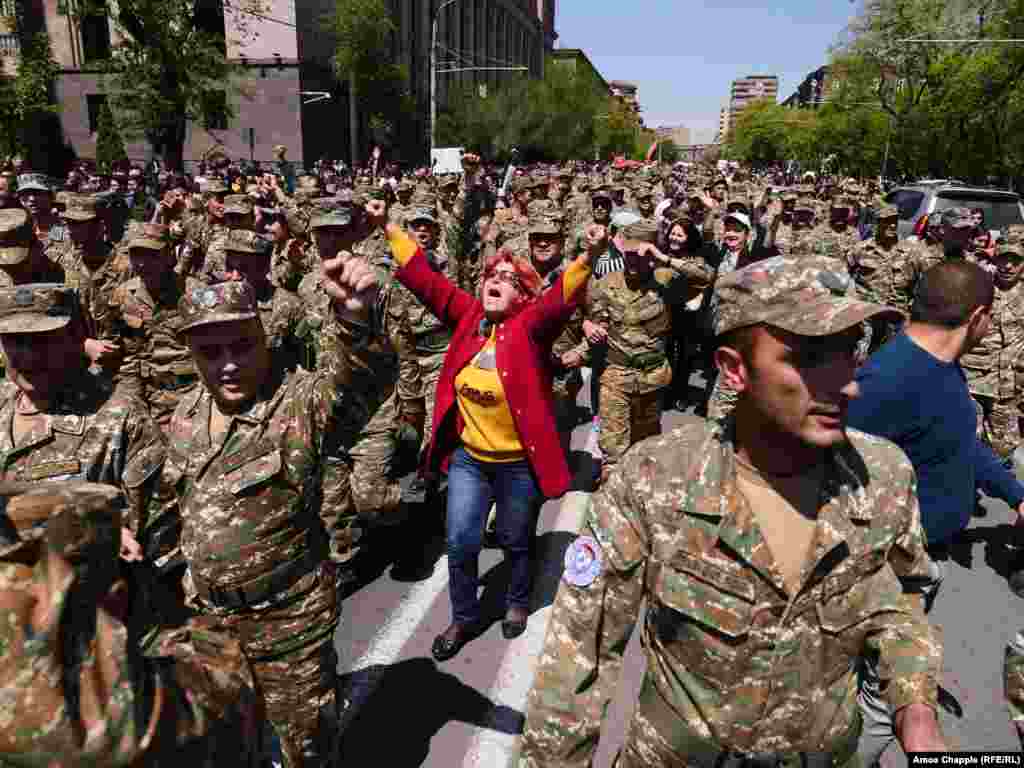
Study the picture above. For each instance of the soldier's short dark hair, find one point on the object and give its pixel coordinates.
(948, 293)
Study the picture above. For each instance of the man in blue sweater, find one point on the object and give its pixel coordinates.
(913, 392)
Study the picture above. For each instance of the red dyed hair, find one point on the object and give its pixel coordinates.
(530, 282)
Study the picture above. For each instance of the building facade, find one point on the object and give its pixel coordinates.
(752, 88)
(677, 134)
(286, 92)
(812, 91)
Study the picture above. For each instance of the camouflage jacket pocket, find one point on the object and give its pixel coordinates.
(254, 472)
(702, 625)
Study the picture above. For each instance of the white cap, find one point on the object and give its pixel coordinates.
(742, 218)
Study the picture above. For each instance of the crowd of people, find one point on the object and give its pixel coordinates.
(223, 391)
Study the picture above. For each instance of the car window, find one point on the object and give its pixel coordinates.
(907, 201)
(1000, 212)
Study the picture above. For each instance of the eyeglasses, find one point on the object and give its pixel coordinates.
(509, 278)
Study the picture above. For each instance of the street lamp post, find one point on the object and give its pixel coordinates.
(433, 72)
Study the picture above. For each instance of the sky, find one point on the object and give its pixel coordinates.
(684, 55)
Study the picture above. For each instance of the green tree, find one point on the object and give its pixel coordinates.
(363, 32)
(25, 99)
(170, 66)
(109, 145)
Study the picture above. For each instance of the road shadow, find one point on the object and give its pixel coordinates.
(997, 553)
(389, 720)
(548, 565)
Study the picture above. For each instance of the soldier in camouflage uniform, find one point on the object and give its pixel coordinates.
(398, 212)
(247, 257)
(205, 235)
(600, 213)
(22, 258)
(886, 269)
(36, 196)
(957, 228)
(766, 570)
(634, 306)
(144, 313)
(258, 458)
(88, 266)
(835, 239)
(1013, 676)
(238, 214)
(995, 367)
(288, 261)
(61, 422)
(77, 691)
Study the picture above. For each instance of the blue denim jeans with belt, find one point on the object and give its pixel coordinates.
(472, 486)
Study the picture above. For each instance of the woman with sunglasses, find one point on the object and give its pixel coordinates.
(494, 423)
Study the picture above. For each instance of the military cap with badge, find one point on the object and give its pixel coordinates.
(37, 308)
(15, 236)
(232, 301)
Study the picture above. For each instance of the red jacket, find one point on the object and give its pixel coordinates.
(523, 352)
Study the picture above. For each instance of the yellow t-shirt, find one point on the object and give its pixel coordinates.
(489, 433)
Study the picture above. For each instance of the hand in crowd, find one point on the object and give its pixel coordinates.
(131, 550)
(572, 359)
(596, 334)
(376, 213)
(101, 352)
(597, 242)
(352, 283)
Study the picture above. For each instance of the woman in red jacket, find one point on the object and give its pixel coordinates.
(494, 422)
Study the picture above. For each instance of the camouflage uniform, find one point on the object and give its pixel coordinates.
(421, 340)
(76, 691)
(639, 324)
(157, 367)
(262, 513)
(886, 275)
(738, 661)
(18, 247)
(1013, 675)
(995, 369)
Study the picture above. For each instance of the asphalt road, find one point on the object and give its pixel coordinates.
(406, 710)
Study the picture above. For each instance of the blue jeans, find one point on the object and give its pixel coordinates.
(472, 485)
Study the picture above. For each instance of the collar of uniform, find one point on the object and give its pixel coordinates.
(713, 493)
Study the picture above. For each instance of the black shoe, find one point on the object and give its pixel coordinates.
(444, 649)
(412, 571)
(512, 629)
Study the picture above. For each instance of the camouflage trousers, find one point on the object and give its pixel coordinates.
(290, 647)
(430, 373)
(998, 423)
(375, 492)
(1013, 673)
(626, 417)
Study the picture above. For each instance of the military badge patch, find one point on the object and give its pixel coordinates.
(583, 562)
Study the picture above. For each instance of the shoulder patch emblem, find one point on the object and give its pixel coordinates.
(583, 562)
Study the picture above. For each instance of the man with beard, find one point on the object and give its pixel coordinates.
(767, 549)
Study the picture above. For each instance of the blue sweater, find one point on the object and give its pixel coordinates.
(923, 405)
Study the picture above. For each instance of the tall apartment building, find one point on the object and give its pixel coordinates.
(750, 89)
(723, 125)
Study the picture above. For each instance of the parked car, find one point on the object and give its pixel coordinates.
(916, 202)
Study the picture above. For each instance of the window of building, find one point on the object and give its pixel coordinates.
(95, 37)
(94, 104)
(215, 111)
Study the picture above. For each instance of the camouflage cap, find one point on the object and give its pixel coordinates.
(34, 181)
(642, 191)
(804, 204)
(421, 212)
(36, 307)
(15, 236)
(805, 296)
(214, 186)
(240, 204)
(840, 202)
(405, 186)
(638, 233)
(600, 193)
(564, 174)
(217, 303)
(958, 216)
(153, 237)
(448, 181)
(280, 150)
(518, 183)
(544, 223)
(332, 212)
(78, 521)
(246, 241)
(80, 208)
(889, 212)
